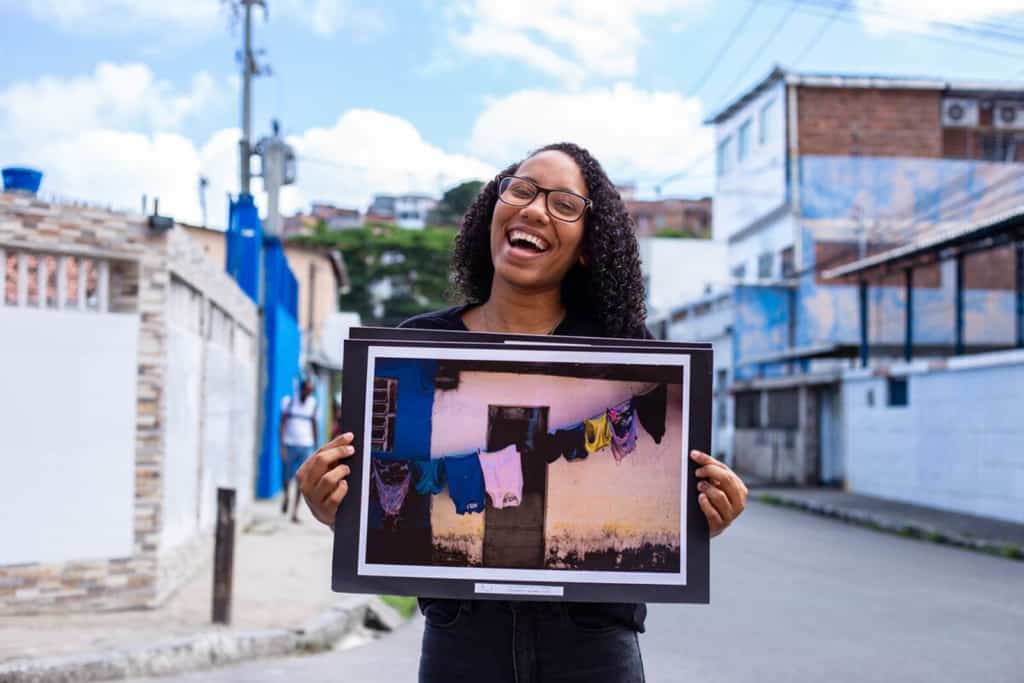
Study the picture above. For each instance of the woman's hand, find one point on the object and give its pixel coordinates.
(322, 478)
(722, 494)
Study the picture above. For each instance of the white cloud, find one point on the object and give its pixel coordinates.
(889, 16)
(101, 138)
(568, 39)
(120, 14)
(367, 151)
(637, 135)
(114, 95)
(324, 17)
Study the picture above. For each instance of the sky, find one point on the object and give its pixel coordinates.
(116, 99)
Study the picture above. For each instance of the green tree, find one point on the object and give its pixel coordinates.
(455, 203)
(413, 264)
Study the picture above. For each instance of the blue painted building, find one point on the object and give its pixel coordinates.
(816, 171)
(253, 256)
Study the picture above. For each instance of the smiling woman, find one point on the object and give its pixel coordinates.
(546, 248)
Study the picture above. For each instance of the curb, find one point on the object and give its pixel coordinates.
(1005, 549)
(206, 650)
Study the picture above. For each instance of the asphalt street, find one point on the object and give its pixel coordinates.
(795, 598)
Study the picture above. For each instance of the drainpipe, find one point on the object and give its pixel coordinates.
(793, 163)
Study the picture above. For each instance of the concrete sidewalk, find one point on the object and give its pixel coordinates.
(914, 521)
(282, 602)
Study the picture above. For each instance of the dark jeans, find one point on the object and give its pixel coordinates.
(501, 642)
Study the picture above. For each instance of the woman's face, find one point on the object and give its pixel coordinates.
(554, 245)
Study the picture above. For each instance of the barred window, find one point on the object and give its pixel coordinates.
(784, 409)
(385, 400)
(748, 410)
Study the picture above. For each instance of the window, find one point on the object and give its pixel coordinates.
(764, 266)
(764, 128)
(722, 404)
(743, 140)
(748, 410)
(784, 409)
(897, 391)
(739, 272)
(385, 400)
(786, 262)
(1000, 145)
(725, 156)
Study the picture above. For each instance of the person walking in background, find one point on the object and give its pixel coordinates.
(298, 437)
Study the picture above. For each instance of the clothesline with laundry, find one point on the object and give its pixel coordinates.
(499, 473)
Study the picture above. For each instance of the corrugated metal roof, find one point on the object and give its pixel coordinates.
(940, 239)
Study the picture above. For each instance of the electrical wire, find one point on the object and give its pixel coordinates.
(733, 35)
(848, 14)
(813, 42)
(763, 46)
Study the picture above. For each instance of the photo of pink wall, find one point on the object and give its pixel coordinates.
(521, 484)
(617, 515)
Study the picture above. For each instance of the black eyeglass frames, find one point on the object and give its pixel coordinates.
(561, 204)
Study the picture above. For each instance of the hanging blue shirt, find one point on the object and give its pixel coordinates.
(429, 476)
(465, 482)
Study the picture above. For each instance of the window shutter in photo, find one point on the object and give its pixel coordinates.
(385, 400)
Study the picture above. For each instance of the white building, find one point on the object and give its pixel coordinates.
(404, 210)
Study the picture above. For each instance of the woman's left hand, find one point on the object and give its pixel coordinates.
(722, 494)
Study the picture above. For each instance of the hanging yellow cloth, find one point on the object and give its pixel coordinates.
(597, 433)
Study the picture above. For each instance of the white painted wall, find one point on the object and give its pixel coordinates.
(181, 463)
(771, 238)
(679, 269)
(243, 418)
(67, 416)
(757, 185)
(958, 445)
(217, 446)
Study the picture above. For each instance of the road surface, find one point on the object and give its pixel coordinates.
(794, 598)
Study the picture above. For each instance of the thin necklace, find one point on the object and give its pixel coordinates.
(487, 322)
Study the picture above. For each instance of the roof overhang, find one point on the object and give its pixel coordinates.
(989, 233)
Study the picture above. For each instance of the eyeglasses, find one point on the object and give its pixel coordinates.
(561, 204)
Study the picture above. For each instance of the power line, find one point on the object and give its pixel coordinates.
(733, 35)
(813, 42)
(825, 7)
(763, 46)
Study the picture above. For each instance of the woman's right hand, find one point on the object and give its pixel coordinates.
(322, 478)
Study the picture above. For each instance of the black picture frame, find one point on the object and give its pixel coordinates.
(350, 568)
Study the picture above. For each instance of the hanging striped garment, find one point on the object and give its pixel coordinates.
(623, 429)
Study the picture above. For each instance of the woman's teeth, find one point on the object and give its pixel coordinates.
(525, 237)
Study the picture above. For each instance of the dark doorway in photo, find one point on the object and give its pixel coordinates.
(514, 536)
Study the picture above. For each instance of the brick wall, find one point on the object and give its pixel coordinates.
(864, 122)
(142, 264)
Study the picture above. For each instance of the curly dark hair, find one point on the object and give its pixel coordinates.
(609, 289)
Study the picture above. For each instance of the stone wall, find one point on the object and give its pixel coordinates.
(139, 264)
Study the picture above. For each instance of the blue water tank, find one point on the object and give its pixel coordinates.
(23, 179)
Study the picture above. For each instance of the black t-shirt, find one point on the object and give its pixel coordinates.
(627, 614)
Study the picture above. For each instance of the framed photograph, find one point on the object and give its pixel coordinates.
(524, 471)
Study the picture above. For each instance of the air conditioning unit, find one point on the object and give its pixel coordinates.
(1008, 115)
(959, 112)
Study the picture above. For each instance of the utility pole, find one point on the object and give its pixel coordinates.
(204, 182)
(250, 69)
(278, 170)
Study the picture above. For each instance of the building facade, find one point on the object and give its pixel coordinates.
(404, 210)
(814, 171)
(131, 364)
(322, 280)
(677, 217)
